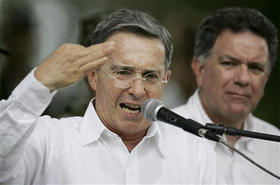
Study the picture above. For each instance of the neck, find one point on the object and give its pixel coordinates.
(232, 139)
(131, 143)
(129, 139)
(229, 123)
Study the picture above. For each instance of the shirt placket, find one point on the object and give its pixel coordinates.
(131, 170)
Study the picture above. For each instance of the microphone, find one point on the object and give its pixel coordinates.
(154, 110)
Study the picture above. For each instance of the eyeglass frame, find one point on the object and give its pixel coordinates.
(143, 79)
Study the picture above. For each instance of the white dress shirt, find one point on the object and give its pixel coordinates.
(81, 150)
(231, 167)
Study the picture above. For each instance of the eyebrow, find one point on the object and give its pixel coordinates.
(228, 57)
(131, 68)
(239, 61)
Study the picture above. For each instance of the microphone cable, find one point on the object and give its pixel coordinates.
(248, 158)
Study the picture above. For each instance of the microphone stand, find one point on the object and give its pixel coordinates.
(220, 129)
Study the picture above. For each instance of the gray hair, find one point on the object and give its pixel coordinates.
(237, 20)
(136, 22)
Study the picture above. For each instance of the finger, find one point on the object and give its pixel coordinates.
(88, 59)
(100, 50)
(91, 66)
(98, 53)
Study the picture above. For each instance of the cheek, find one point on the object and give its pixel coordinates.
(155, 94)
(213, 80)
(258, 88)
(223, 78)
(106, 93)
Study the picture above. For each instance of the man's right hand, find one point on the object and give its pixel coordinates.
(70, 63)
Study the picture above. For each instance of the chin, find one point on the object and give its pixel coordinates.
(131, 130)
(239, 108)
(132, 126)
(237, 114)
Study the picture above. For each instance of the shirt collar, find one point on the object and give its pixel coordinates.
(199, 110)
(91, 127)
(154, 132)
(200, 114)
(247, 141)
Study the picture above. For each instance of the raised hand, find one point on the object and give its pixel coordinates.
(70, 63)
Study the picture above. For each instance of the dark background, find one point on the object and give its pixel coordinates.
(31, 30)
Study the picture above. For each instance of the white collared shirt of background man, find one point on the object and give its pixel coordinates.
(231, 167)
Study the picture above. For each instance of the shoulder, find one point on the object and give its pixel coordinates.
(64, 122)
(263, 126)
(188, 108)
(177, 137)
(52, 127)
(189, 149)
(179, 108)
(183, 110)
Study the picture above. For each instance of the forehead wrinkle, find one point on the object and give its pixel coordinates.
(138, 52)
(136, 61)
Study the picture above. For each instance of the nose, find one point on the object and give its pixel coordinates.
(137, 89)
(242, 76)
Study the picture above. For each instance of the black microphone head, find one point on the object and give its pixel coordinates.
(150, 108)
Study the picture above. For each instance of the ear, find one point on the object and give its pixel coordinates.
(267, 76)
(198, 69)
(92, 78)
(168, 76)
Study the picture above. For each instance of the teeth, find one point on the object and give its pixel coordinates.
(130, 111)
(130, 108)
(133, 106)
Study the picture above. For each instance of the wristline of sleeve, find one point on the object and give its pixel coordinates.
(34, 95)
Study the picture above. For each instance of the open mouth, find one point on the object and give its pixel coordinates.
(130, 108)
